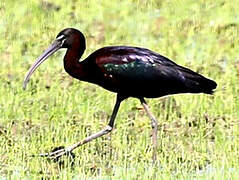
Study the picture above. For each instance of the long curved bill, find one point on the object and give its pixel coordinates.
(50, 50)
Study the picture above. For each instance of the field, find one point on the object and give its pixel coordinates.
(198, 134)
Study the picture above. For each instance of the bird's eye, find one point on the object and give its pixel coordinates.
(61, 37)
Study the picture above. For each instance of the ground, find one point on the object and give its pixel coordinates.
(198, 134)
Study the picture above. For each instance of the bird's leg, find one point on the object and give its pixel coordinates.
(106, 130)
(154, 125)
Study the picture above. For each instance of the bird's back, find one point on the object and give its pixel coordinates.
(139, 72)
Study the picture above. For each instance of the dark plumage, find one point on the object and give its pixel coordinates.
(139, 72)
(127, 71)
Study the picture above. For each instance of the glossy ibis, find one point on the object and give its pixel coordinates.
(128, 71)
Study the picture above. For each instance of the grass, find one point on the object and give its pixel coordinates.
(198, 133)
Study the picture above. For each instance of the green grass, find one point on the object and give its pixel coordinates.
(198, 134)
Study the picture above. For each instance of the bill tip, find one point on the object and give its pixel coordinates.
(24, 85)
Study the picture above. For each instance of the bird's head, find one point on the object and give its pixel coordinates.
(69, 38)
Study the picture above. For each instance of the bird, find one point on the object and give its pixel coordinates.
(130, 72)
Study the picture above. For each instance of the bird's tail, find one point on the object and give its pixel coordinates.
(197, 83)
(206, 85)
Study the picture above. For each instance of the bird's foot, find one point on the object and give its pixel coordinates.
(58, 152)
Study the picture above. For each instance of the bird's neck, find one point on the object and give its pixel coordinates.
(72, 65)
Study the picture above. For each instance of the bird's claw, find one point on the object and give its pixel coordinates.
(57, 152)
(53, 154)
